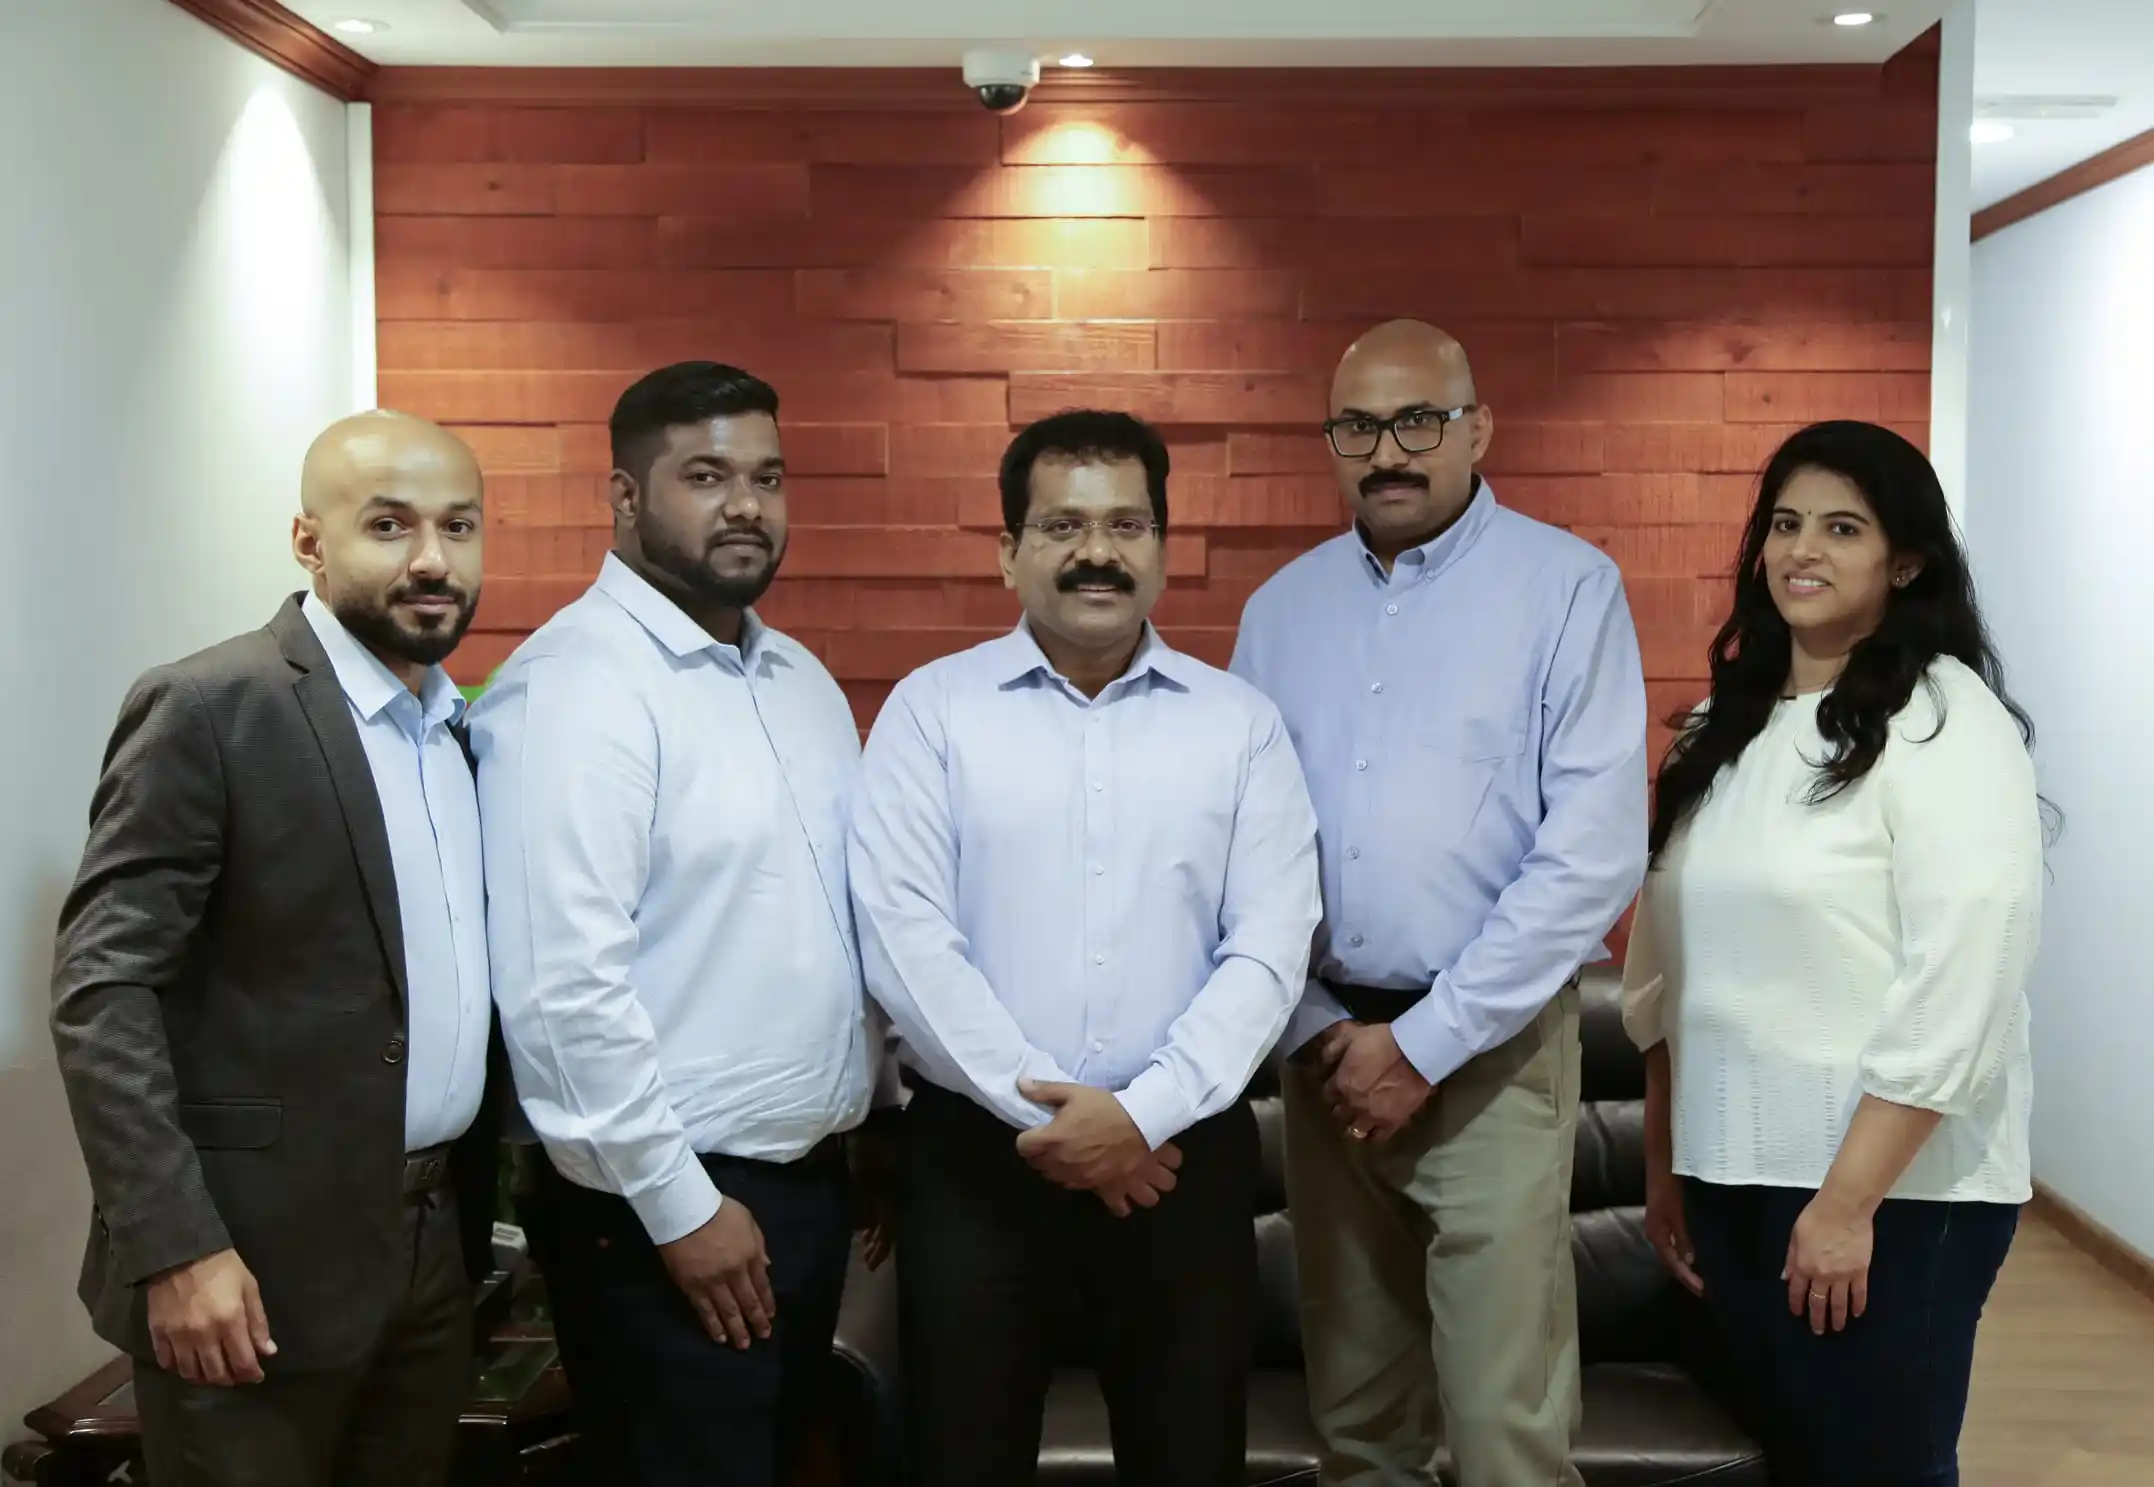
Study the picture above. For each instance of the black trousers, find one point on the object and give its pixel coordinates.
(661, 1403)
(997, 1266)
(390, 1422)
(1881, 1403)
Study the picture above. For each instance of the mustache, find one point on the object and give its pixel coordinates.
(429, 589)
(729, 534)
(1376, 480)
(1083, 573)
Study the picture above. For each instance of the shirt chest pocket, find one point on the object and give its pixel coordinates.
(1458, 762)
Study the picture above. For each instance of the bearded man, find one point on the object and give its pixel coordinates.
(664, 781)
(271, 1006)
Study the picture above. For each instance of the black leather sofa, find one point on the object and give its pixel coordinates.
(1653, 1415)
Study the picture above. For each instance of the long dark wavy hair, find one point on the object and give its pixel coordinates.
(1935, 615)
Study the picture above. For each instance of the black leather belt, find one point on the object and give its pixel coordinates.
(1374, 1003)
(425, 1170)
(830, 1149)
(1386, 1004)
(824, 1152)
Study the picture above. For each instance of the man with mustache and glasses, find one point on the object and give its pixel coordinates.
(1463, 685)
(665, 780)
(271, 1004)
(1085, 873)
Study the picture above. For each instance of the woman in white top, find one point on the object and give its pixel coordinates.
(1828, 966)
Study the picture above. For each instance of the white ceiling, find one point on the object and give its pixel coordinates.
(2060, 47)
(1122, 33)
(2023, 48)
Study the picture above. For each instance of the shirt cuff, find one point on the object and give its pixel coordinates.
(679, 1206)
(1426, 1038)
(1157, 1107)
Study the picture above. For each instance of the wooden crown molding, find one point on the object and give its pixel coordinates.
(2094, 1240)
(2135, 153)
(269, 30)
(938, 88)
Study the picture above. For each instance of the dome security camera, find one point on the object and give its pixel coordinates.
(1003, 80)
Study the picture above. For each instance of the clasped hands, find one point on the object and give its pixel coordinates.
(1373, 1091)
(1092, 1145)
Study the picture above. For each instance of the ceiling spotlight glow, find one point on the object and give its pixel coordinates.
(1989, 131)
(354, 26)
(1076, 59)
(1854, 18)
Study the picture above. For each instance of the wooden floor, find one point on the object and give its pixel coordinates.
(2064, 1374)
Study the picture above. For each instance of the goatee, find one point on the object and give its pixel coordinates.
(378, 629)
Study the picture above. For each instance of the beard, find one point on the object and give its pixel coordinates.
(425, 643)
(690, 568)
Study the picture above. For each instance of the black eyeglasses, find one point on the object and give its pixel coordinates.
(1417, 430)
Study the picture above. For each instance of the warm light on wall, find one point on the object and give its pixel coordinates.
(1083, 142)
(1990, 131)
(273, 236)
(1076, 59)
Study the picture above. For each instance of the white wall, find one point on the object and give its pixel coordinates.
(174, 328)
(2061, 519)
(1952, 259)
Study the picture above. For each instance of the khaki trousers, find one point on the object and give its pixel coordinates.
(1436, 1271)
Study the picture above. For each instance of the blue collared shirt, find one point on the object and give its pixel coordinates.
(1473, 725)
(430, 811)
(1118, 891)
(672, 938)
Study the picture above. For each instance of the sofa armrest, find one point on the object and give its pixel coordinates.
(868, 1378)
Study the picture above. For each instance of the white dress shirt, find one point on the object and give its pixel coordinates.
(1118, 891)
(1797, 956)
(672, 937)
(431, 814)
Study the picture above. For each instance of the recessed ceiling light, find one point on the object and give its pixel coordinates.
(1854, 18)
(1990, 131)
(354, 26)
(1076, 59)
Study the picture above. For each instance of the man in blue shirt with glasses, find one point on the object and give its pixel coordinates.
(1463, 687)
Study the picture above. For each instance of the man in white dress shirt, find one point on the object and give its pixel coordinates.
(1086, 881)
(664, 782)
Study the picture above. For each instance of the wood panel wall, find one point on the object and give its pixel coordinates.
(1656, 282)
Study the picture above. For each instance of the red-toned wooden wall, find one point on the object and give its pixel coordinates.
(1657, 280)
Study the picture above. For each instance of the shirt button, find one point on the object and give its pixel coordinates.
(1096, 785)
(1391, 609)
(1355, 940)
(1099, 1048)
(393, 1052)
(1354, 853)
(1099, 960)
(1361, 764)
(1099, 870)
(1376, 686)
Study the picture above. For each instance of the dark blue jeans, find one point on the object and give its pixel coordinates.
(1879, 1404)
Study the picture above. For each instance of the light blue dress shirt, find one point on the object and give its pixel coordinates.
(430, 811)
(1119, 892)
(672, 936)
(1473, 725)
